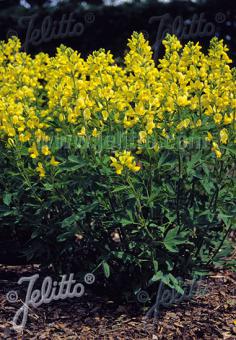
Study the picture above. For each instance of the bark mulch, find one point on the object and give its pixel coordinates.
(211, 315)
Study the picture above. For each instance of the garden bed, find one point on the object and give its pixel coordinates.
(210, 316)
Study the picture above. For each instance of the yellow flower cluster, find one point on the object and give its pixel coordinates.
(44, 96)
(124, 160)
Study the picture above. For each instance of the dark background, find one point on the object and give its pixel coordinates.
(100, 25)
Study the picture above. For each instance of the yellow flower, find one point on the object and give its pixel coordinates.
(218, 153)
(156, 147)
(183, 124)
(124, 160)
(209, 137)
(33, 151)
(82, 132)
(224, 136)
(182, 101)
(119, 168)
(142, 137)
(218, 118)
(95, 133)
(198, 123)
(134, 167)
(228, 119)
(105, 115)
(61, 117)
(87, 114)
(150, 126)
(138, 97)
(45, 150)
(41, 170)
(139, 151)
(216, 150)
(53, 162)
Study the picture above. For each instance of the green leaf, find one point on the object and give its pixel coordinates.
(65, 236)
(7, 199)
(174, 238)
(225, 218)
(69, 221)
(106, 269)
(120, 188)
(170, 264)
(126, 222)
(4, 211)
(175, 284)
(156, 277)
(208, 186)
(48, 186)
(232, 149)
(74, 159)
(155, 266)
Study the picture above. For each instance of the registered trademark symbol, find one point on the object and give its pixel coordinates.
(220, 18)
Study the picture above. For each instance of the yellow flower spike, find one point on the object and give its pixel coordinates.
(124, 160)
(139, 97)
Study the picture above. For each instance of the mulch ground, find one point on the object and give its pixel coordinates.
(211, 315)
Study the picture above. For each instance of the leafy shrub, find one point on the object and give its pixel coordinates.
(123, 170)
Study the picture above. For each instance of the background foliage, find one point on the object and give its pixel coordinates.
(113, 25)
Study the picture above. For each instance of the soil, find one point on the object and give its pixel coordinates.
(211, 314)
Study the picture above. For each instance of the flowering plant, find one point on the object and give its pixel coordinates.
(131, 167)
